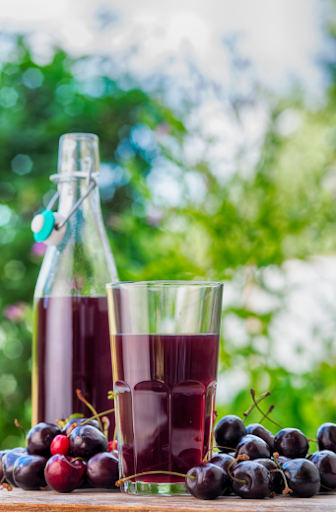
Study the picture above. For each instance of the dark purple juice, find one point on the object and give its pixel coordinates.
(165, 392)
(71, 350)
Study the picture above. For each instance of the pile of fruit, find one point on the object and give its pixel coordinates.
(252, 463)
(63, 459)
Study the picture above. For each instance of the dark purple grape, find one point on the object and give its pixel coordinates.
(28, 472)
(67, 427)
(223, 460)
(254, 447)
(103, 470)
(291, 442)
(228, 431)
(86, 441)
(210, 481)
(259, 430)
(276, 482)
(302, 477)
(256, 480)
(8, 460)
(326, 437)
(39, 438)
(325, 461)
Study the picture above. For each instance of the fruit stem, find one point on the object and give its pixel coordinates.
(270, 409)
(328, 488)
(275, 457)
(122, 480)
(259, 399)
(8, 487)
(257, 406)
(106, 423)
(60, 423)
(312, 440)
(74, 460)
(97, 415)
(17, 424)
(217, 448)
(243, 456)
(72, 427)
(286, 489)
(92, 409)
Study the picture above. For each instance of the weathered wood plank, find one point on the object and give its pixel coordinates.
(115, 501)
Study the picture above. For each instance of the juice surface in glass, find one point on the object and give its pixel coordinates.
(165, 391)
(71, 351)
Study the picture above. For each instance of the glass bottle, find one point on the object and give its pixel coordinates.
(71, 348)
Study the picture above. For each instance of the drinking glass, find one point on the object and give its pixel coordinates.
(164, 343)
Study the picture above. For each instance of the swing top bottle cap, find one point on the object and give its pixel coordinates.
(79, 152)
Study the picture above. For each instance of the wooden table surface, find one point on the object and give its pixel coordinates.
(114, 501)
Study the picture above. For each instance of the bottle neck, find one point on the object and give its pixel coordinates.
(78, 163)
(73, 190)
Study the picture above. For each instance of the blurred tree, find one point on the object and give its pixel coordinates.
(232, 230)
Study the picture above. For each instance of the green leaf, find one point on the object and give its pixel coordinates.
(75, 415)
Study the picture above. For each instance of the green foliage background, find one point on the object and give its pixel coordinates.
(237, 231)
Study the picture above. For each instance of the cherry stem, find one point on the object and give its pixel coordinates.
(275, 457)
(72, 427)
(256, 401)
(122, 480)
(17, 424)
(74, 460)
(217, 448)
(312, 440)
(328, 488)
(270, 409)
(286, 489)
(92, 409)
(8, 487)
(78, 458)
(106, 423)
(243, 456)
(97, 415)
(257, 406)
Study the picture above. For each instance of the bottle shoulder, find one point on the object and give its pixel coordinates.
(81, 264)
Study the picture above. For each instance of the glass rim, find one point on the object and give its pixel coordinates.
(79, 136)
(162, 284)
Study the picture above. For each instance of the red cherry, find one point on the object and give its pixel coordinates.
(64, 474)
(60, 445)
(112, 445)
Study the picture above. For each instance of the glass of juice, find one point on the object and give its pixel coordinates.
(164, 342)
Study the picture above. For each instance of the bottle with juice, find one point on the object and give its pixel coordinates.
(71, 348)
